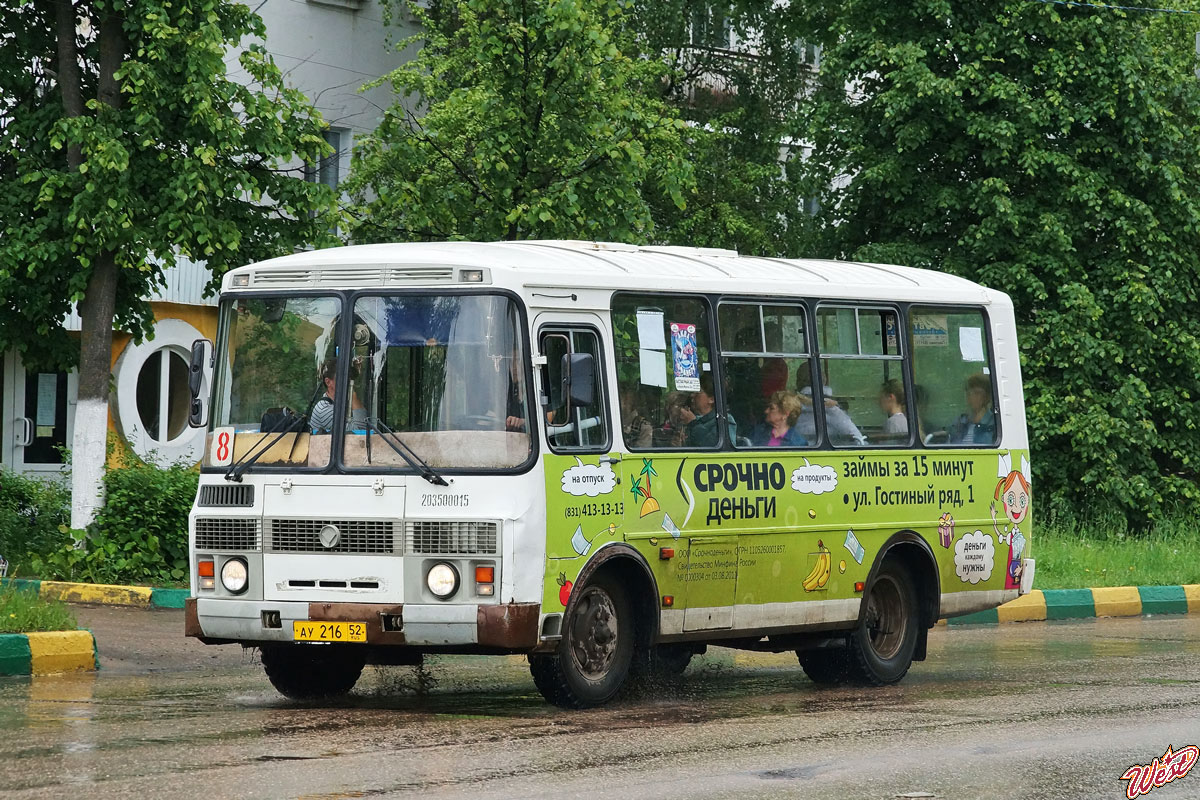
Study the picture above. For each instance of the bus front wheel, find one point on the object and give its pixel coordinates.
(594, 655)
(305, 672)
(881, 648)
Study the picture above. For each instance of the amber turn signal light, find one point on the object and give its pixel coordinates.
(666, 553)
(668, 600)
(205, 569)
(485, 574)
(859, 586)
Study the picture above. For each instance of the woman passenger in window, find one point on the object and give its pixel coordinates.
(779, 430)
(978, 425)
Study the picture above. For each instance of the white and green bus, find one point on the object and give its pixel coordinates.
(602, 456)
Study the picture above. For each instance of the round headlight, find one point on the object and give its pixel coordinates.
(442, 580)
(235, 576)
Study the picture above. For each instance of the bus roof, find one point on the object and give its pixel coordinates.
(603, 265)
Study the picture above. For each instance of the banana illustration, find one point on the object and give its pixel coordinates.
(819, 575)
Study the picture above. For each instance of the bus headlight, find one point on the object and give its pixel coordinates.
(235, 576)
(442, 580)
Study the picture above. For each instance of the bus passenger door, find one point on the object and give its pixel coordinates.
(711, 582)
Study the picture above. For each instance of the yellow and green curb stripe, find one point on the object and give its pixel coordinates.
(102, 594)
(1116, 601)
(47, 653)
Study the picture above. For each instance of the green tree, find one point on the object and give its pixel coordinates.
(1051, 152)
(126, 144)
(518, 119)
(739, 73)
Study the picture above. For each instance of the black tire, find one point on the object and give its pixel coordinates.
(670, 660)
(828, 666)
(305, 672)
(881, 647)
(593, 657)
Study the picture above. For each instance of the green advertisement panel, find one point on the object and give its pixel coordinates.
(725, 529)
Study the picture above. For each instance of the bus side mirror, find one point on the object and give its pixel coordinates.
(201, 356)
(579, 379)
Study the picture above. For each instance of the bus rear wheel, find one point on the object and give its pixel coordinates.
(305, 672)
(880, 650)
(829, 666)
(594, 655)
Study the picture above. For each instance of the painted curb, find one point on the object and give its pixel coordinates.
(102, 594)
(48, 653)
(1113, 601)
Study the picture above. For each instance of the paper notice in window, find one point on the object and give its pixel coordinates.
(970, 344)
(47, 399)
(650, 331)
(654, 367)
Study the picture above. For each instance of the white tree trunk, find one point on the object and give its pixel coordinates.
(88, 454)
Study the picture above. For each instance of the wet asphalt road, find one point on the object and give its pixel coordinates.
(1033, 710)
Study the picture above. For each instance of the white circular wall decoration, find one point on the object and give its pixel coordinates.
(152, 400)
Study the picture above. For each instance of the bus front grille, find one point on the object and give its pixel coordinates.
(233, 495)
(370, 536)
(452, 537)
(223, 534)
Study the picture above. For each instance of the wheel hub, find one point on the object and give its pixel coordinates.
(886, 617)
(594, 633)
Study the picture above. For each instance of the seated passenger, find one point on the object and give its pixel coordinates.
(673, 431)
(702, 430)
(636, 429)
(978, 425)
(842, 430)
(891, 403)
(779, 430)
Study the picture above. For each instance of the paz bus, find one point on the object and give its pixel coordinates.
(605, 457)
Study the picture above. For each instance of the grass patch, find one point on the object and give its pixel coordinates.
(25, 612)
(1081, 554)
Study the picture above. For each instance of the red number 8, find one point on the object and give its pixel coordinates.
(223, 445)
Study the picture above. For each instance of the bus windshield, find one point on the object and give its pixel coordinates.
(431, 381)
(268, 374)
(441, 376)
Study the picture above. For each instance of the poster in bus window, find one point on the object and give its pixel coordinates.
(930, 330)
(685, 356)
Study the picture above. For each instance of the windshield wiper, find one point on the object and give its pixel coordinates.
(238, 468)
(410, 457)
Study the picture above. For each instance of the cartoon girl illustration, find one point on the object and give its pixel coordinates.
(1014, 494)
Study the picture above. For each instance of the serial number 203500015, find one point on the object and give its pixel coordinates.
(596, 509)
(445, 500)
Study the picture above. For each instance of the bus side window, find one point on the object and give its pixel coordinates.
(573, 428)
(862, 394)
(952, 377)
(762, 347)
(665, 385)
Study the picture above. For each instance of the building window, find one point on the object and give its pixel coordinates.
(152, 397)
(328, 169)
(163, 396)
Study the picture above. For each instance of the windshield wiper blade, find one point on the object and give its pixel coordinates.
(410, 457)
(238, 468)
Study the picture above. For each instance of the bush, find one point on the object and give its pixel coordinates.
(34, 514)
(139, 536)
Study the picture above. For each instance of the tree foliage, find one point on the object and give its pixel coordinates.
(738, 73)
(1051, 152)
(519, 119)
(184, 158)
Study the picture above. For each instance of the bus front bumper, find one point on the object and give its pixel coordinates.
(512, 626)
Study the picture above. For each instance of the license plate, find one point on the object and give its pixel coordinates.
(329, 631)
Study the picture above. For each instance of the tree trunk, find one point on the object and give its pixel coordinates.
(96, 311)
